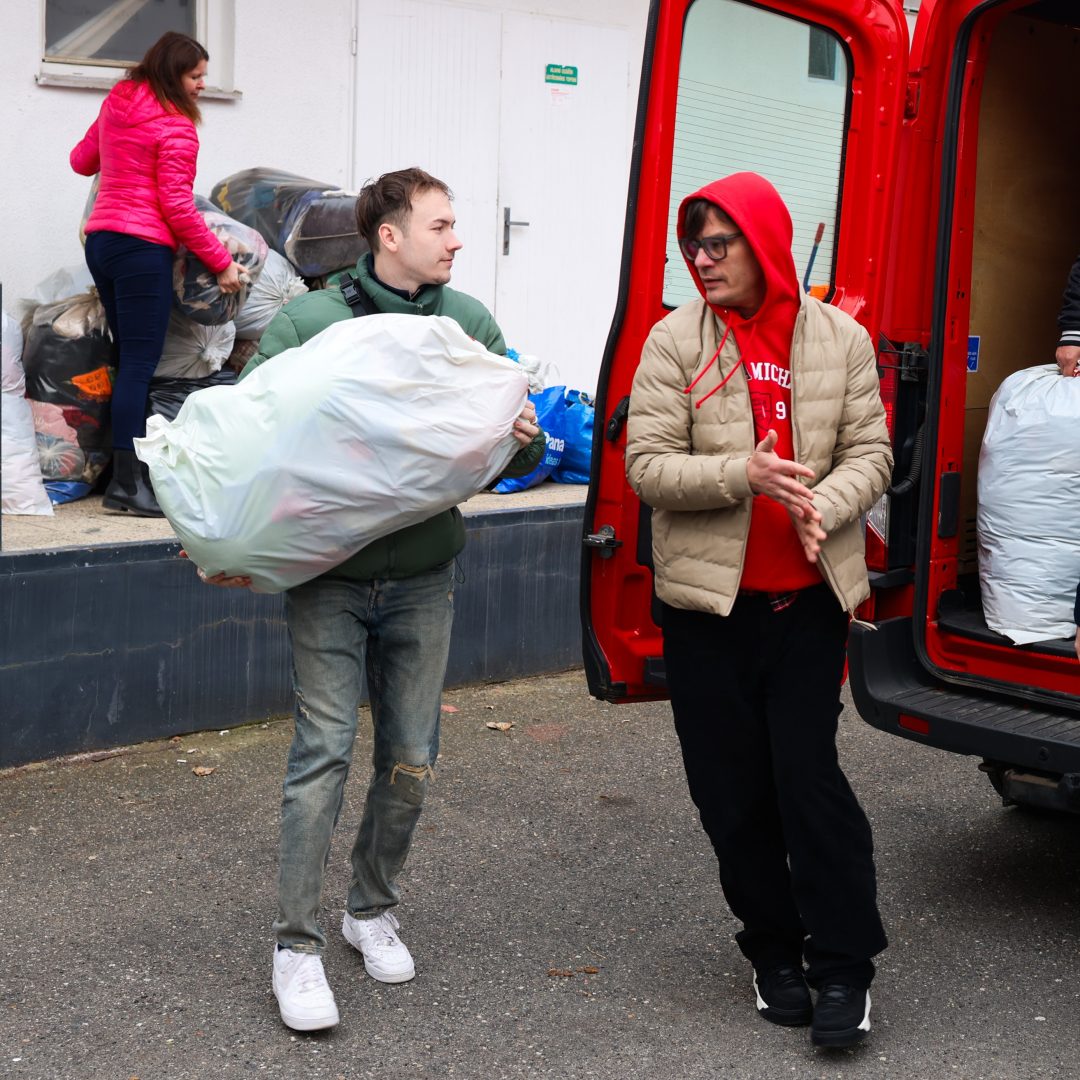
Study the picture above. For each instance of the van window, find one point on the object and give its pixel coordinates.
(747, 102)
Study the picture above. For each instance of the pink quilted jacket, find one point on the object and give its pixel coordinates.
(146, 156)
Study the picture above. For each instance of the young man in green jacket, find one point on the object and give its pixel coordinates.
(387, 610)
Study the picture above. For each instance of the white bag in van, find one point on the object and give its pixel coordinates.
(1028, 518)
(372, 425)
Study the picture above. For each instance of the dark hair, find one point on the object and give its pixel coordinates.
(172, 56)
(390, 199)
(695, 214)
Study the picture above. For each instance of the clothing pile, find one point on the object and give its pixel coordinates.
(202, 330)
(68, 362)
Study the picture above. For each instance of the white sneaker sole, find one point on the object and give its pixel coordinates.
(307, 1023)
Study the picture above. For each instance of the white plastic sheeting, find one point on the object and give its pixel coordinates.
(1029, 506)
(22, 490)
(277, 285)
(372, 425)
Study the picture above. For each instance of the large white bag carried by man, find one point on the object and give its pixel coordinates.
(372, 425)
(1029, 506)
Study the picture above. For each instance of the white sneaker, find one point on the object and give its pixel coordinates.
(303, 995)
(385, 956)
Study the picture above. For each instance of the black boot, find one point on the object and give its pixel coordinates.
(130, 488)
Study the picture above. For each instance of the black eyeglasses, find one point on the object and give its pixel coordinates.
(715, 246)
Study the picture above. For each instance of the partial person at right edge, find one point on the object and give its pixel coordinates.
(1068, 347)
(144, 145)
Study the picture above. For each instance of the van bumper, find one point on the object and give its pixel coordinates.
(895, 693)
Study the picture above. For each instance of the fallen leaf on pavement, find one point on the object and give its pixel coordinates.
(500, 725)
(203, 770)
(560, 973)
(589, 970)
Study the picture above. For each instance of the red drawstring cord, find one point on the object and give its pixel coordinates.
(701, 374)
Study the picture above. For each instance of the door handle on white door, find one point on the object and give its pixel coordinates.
(506, 229)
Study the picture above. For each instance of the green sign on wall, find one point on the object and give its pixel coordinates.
(561, 73)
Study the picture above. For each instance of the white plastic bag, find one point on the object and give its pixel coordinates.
(1029, 506)
(372, 425)
(193, 351)
(276, 286)
(22, 490)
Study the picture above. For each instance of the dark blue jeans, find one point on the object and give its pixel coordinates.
(756, 698)
(134, 279)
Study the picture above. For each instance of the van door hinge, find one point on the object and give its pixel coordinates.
(604, 540)
(354, 37)
(914, 362)
(911, 99)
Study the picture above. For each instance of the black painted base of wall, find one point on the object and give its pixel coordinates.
(103, 647)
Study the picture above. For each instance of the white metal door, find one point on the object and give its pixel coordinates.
(563, 168)
(427, 92)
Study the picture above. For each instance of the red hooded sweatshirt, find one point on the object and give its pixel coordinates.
(775, 561)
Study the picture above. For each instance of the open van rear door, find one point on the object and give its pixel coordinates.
(810, 93)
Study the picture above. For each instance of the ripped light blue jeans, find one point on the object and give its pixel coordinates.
(398, 631)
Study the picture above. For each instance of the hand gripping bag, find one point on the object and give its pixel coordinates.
(1028, 520)
(372, 425)
(196, 291)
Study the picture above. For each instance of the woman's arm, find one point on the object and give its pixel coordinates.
(178, 153)
(86, 157)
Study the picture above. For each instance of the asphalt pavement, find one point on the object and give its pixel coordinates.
(561, 902)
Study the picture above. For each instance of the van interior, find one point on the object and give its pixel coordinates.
(1024, 237)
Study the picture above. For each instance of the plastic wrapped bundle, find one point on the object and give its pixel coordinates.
(21, 487)
(67, 358)
(1028, 518)
(311, 223)
(372, 425)
(195, 284)
(277, 285)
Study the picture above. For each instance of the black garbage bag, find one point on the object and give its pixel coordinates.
(167, 394)
(68, 359)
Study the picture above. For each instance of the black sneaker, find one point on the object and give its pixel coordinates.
(783, 996)
(841, 1016)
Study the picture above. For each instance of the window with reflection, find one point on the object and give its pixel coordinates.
(113, 33)
(748, 100)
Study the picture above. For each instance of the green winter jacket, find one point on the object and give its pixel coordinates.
(427, 544)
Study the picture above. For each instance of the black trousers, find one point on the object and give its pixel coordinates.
(756, 699)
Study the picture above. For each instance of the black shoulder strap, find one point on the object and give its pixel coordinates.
(356, 298)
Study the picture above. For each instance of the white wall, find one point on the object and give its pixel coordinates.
(295, 69)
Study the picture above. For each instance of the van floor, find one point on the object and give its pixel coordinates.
(960, 612)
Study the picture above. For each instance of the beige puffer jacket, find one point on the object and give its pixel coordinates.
(689, 464)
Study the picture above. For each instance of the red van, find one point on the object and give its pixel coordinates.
(934, 200)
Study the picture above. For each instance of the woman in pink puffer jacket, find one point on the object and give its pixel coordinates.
(145, 147)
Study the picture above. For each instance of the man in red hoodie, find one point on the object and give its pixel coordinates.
(757, 435)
